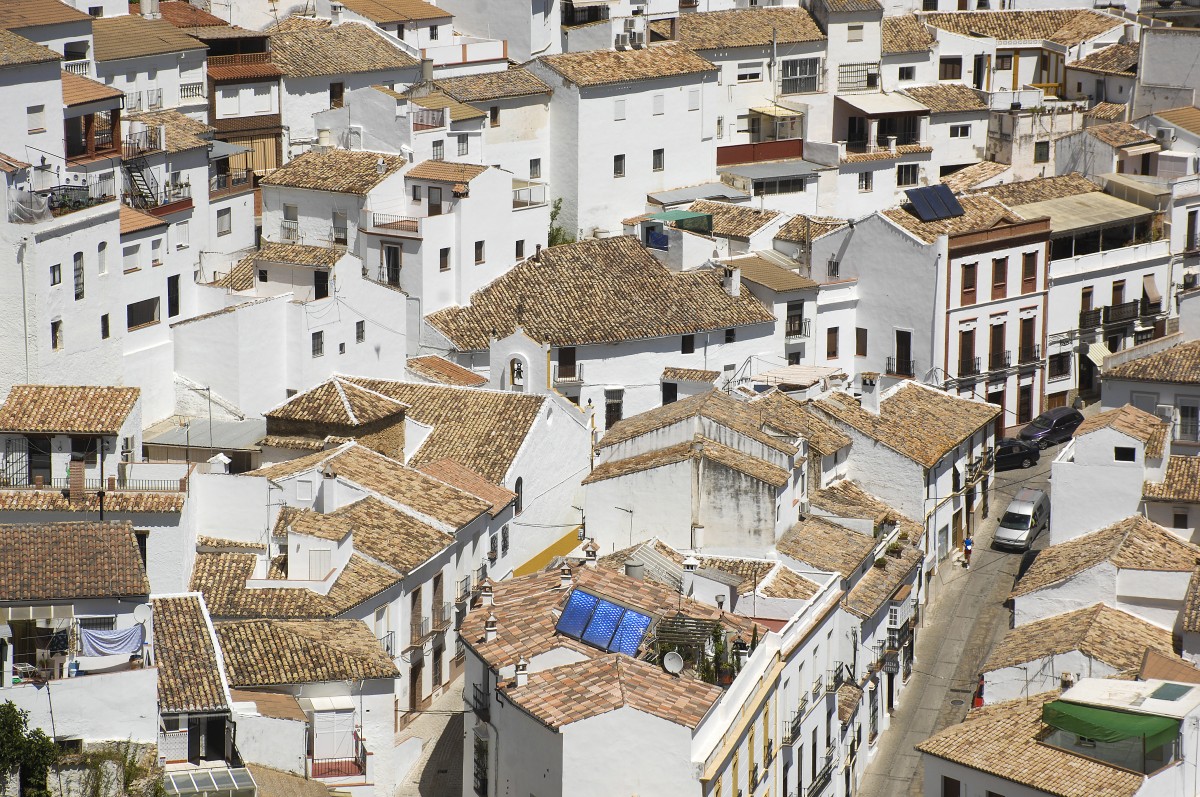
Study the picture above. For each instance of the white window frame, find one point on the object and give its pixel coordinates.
(749, 71)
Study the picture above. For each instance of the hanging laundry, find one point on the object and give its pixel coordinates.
(59, 642)
(108, 643)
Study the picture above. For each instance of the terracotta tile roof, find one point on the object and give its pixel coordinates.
(1040, 188)
(886, 154)
(1187, 117)
(794, 230)
(1119, 134)
(298, 442)
(1181, 482)
(133, 220)
(388, 535)
(264, 71)
(770, 274)
(701, 447)
(580, 293)
(1004, 740)
(948, 98)
(316, 51)
(79, 90)
(337, 170)
(1163, 667)
(281, 706)
(222, 578)
(922, 423)
(904, 34)
(1115, 59)
(266, 122)
(1136, 423)
(846, 499)
(1099, 632)
(734, 221)
(602, 67)
(189, 675)
(64, 561)
(826, 545)
(742, 417)
(381, 12)
(446, 171)
(337, 401)
(241, 277)
(1179, 364)
(116, 38)
(297, 22)
(967, 178)
(852, 6)
(1062, 26)
(183, 132)
(524, 609)
(276, 652)
(1134, 543)
(1107, 111)
(457, 475)
(182, 14)
(793, 417)
(574, 692)
(746, 27)
(482, 429)
(879, 584)
(512, 82)
(690, 375)
(220, 543)
(459, 111)
(298, 254)
(9, 164)
(16, 50)
(980, 213)
(849, 696)
(17, 14)
(276, 783)
(443, 371)
(787, 583)
(78, 409)
(116, 502)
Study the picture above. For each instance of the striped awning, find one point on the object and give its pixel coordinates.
(1097, 352)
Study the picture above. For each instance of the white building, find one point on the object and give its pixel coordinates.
(1105, 77)
(1159, 377)
(154, 63)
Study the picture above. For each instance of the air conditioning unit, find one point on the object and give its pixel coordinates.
(1165, 134)
(1165, 413)
(630, 25)
(622, 41)
(637, 39)
(805, 506)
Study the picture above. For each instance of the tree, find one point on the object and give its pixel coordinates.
(557, 234)
(33, 752)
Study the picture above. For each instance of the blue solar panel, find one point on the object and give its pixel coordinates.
(921, 204)
(604, 623)
(629, 633)
(953, 208)
(576, 613)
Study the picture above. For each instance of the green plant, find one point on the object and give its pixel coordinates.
(30, 751)
(881, 562)
(894, 549)
(557, 235)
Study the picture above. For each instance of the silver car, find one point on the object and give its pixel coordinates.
(1026, 517)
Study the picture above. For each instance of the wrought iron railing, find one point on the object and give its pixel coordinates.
(822, 778)
(1151, 307)
(1125, 311)
(901, 367)
(969, 366)
(419, 631)
(64, 199)
(797, 328)
(140, 142)
(338, 235)
(1030, 354)
(481, 702)
(388, 643)
(443, 616)
(344, 767)
(1090, 319)
(816, 687)
(464, 590)
(228, 182)
(999, 360)
(568, 373)
(289, 231)
(388, 221)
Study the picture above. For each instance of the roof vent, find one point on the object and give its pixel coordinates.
(489, 628)
(486, 596)
(379, 166)
(522, 672)
(564, 577)
(635, 569)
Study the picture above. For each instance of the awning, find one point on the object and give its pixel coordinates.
(223, 149)
(1150, 289)
(777, 111)
(879, 104)
(1106, 725)
(1097, 352)
(337, 703)
(1140, 149)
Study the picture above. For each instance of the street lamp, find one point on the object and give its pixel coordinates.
(630, 512)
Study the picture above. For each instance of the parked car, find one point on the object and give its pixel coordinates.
(1026, 517)
(1013, 453)
(1052, 426)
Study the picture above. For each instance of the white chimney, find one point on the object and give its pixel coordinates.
(426, 70)
(590, 551)
(379, 166)
(489, 628)
(733, 280)
(522, 672)
(324, 137)
(564, 577)
(485, 595)
(689, 575)
(150, 9)
(870, 392)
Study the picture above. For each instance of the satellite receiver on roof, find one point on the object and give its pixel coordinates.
(142, 613)
(673, 663)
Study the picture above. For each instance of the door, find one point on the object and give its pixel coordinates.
(39, 458)
(996, 347)
(215, 739)
(958, 529)
(980, 71)
(904, 363)
(566, 362)
(997, 397)
(391, 264)
(415, 673)
(195, 739)
(856, 130)
(1029, 351)
(320, 284)
(435, 200)
(1024, 403)
(333, 734)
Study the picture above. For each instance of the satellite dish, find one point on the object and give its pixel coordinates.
(142, 613)
(673, 663)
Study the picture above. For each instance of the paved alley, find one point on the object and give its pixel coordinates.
(438, 772)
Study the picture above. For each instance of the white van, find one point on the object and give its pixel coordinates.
(1026, 517)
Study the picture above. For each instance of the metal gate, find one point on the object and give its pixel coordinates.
(16, 462)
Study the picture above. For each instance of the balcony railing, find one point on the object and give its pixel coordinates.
(836, 677)
(443, 616)
(1090, 319)
(63, 199)
(568, 373)
(464, 590)
(1151, 307)
(481, 702)
(898, 367)
(529, 196)
(428, 118)
(1118, 313)
(816, 687)
(1188, 431)
(797, 328)
(165, 195)
(141, 142)
(822, 778)
(230, 182)
(82, 68)
(388, 643)
(401, 225)
(792, 732)
(480, 575)
(191, 91)
(969, 366)
(289, 231)
(348, 767)
(419, 631)
(999, 360)
(1030, 354)
(338, 235)
(241, 59)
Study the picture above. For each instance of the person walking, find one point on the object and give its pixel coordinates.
(968, 545)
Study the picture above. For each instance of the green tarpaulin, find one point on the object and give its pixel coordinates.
(1107, 725)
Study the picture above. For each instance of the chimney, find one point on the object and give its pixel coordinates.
(635, 569)
(537, 253)
(870, 392)
(689, 575)
(486, 596)
(733, 281)
(426, 70)
(522, 672)
(590, 550)
(564, 577)
(489, 628)
(150, 9)
(324, 137)
(379, 167)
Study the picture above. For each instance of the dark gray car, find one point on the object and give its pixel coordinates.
(1052, 426)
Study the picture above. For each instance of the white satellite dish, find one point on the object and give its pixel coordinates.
(673, 663)
(142, 613)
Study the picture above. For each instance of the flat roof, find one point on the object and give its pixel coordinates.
(1133, 696)
(1083, 211)
(231, 435)
(795, 167)
(876, 104)
(679, 196)
(798, 375)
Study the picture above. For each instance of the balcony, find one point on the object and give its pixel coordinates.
(464, 590)
(792, 732)
(568, 374)
(352, 766)
(166, 199)
(240, 59)
(428, 118)
(969, 366)
(1151, 308)
(60, 200)
(837, 677)
(1122, 313)
(1090, 319)
(822, 778)
(1028, 355)
(407, 226)
(481, 702)
(797, 328)
(816, 687)
(388, 643)
(233, 181)
(480, 575)
(141, 142)
(289, 232)
(901, 367)
(82, 68)
(999, 360)
(338, 235)
(191, 91)
(419, 630)
(582, 15)
(528, 195)
(760, 151)
(443, 616)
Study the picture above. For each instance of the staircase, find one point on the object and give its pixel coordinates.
(143, 188)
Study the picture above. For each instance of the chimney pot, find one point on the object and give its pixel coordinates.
(870, 392)
(522, 672)
(486, 596)
(489, 628)
(635, 569)
(564, 577)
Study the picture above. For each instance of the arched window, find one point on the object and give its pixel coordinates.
(520, 491)
(516, 375)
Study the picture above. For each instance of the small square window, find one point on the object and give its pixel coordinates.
(618, 165)
(730, 335)
(262, 275)
(960, 131)
(360, 331)
(866, 181)
(104, 330)
(1041, 152)
(341, 348)
(35, 118)
(907, 73)
(1004, 62)
(854, 33)
(444, 259)
(56, 274)
(535, 168)
(659, 160)
(520, 249)
(749, 72)
(687, 344)
(1124, 454)
(1179, 518)
(416, 193)
(907, 174)
(318, 344)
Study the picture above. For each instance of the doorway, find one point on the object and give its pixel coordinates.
(435, 201)
(415, 676)
(904, 363)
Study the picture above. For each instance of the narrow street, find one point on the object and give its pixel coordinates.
(957, 634)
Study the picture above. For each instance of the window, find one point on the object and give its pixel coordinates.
(262, 275)
(694, 99)
(479, 252)
(866, 181)
(1004, 62)
(56, 274)
(618, 165)
(730, 335)
(156, 252)
(1118, 292)
(950, 68)
(906, 73)
(1041, 151)
(1124, 453)
(141, 314)
(659, 104)
(444, 259)
(172, 296)
(858, 77)
(463, 145)
(56, 335)
(854, 33)
(102, 257)
(520, 249)
(535, 168)
(687, 344)
(104, 331)
(439, 150)
(494, 116)
(182, 232)
(433, 33)
(1058, 366)
(907, 174)
(784, 185)
(320, 284)
(951, 787)
(1085, 300)
(659, 160)
(831, 343)
(801, 75)
(341, 348)
(318, 344)
(224, 221)
(670, 393)
(504, 540)
(229, 102)
(999, 277)
(720, 127)
(929, 5)
(618, 110)
(960, 131)
(35, 118)
(749, 72)
(860, 342)
(360, 331)
(1029, 272)
(1189, 420)
(337, 94)
(614, 401)
(968, 283)
(1179, 517)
